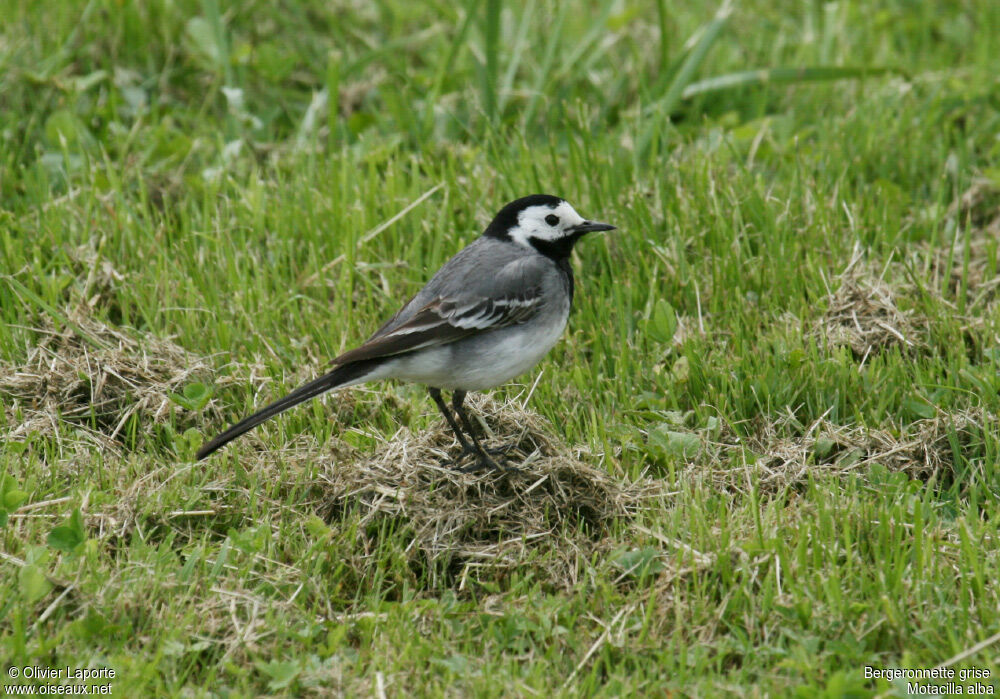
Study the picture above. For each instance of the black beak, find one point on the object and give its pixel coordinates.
(591, 227)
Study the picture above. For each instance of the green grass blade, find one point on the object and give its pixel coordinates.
(666, 104)
(516, 53)
(589, 46)
(491, 69)
(661, 16)
(662, 107)
(544, 71)
(765, 76)
(445, 66)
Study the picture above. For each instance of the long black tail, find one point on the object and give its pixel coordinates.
(338, 377)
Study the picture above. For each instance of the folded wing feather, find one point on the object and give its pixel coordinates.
(446, 320)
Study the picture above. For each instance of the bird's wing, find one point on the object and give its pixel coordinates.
(446, 320)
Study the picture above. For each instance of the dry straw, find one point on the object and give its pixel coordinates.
(782, 453)
(95, 386)
(863, 314)
(556, 503)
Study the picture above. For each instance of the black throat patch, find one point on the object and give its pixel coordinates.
(558, 251)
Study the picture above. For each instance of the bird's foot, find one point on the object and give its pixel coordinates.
(484, 459)
(482, 462)
(486, 462)
(502, 449)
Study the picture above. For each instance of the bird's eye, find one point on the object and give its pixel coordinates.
(552, 220)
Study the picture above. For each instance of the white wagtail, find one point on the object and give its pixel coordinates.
(488, 315)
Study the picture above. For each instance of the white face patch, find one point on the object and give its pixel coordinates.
(545, 223)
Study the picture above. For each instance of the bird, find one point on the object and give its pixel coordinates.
(488, 315)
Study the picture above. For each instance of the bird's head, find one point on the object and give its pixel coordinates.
(544, 223)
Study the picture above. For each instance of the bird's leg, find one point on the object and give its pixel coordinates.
(485, 461)
(458, 400)
(436, 395)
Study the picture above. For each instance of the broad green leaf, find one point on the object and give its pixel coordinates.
(824, 447)
(455, 663)
(282, 674)
(33, 584)
(194, 396)
(317, 528)
(85, 82)
(684, 445)
(13, 498)
(919, 408)
(63, 126)
(638, 562)
(64, 539)
(663, 322)
(69, 536)
(197, 393)
(16, 448)
(681, 370)
(201, 41)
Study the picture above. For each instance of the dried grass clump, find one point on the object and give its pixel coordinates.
(976, 218)
(979, 205)
(555, 509)
(863, 314)
(778, 459)
(99, 281)
(94, 374)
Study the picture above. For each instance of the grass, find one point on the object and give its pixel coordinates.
(791, 341)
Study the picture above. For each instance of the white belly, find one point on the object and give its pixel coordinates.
(481, 361)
